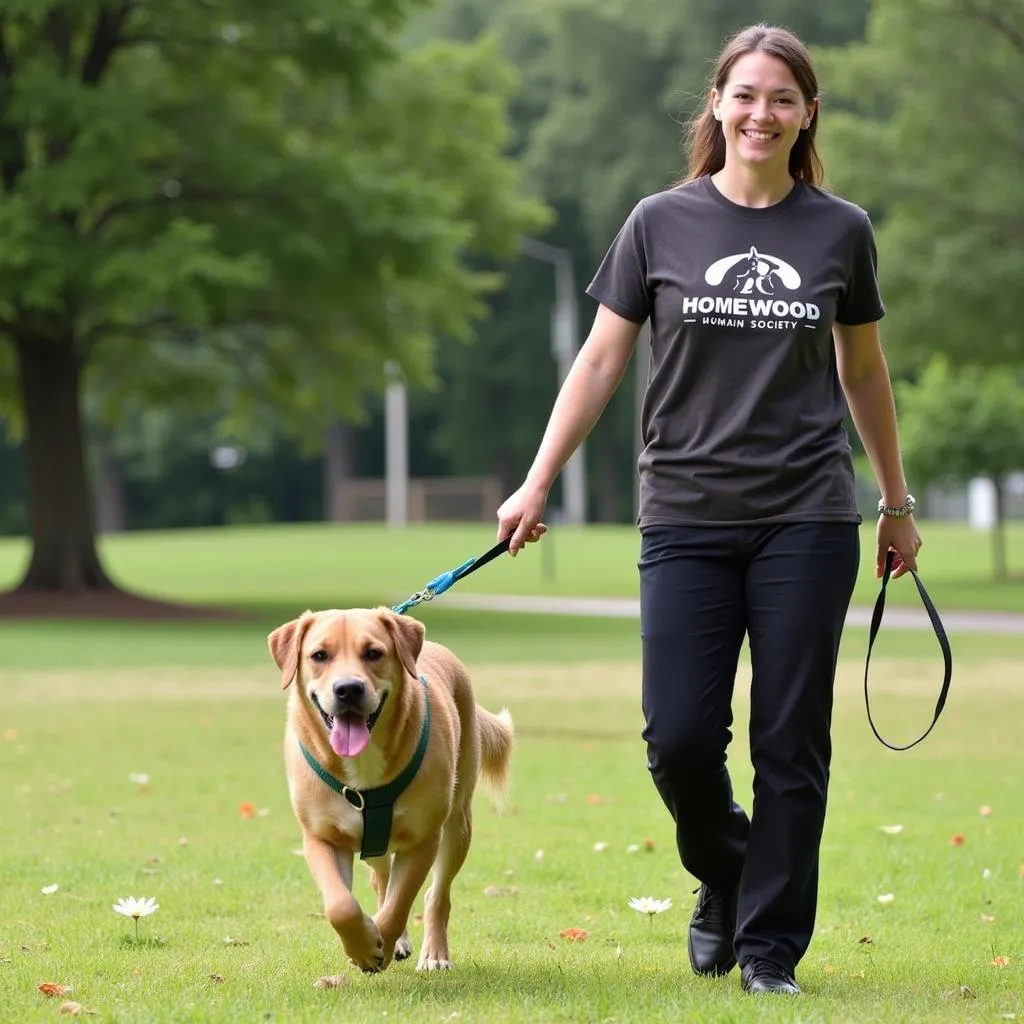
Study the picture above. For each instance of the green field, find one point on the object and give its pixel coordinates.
(239, 935)
(323, 564)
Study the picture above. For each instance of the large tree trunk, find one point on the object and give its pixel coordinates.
(64, 556)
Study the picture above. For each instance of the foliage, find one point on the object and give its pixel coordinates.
(965, 423)
(926, 133)
(238, 198)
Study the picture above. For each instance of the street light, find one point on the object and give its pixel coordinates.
(564, 343)
(396, 448)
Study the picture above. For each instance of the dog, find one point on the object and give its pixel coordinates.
(375, 708)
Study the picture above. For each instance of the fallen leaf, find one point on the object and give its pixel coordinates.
(72, 1009)
(963, 992)
(216, 978)
(593, 799)
(886, 897)
(892, 830)
(331, 981)
(957, 839)
(49, 890)
(501, 890)
(573, 935)
(649, 847)
(229, 941)
(51, 989)
(183, 841)
(985, 811)
(1001, 961)
(987, 918)
(247, 810)
(829, 969)
(865, 940)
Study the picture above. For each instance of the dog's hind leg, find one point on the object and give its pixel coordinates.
(455, 840)
(380, 876)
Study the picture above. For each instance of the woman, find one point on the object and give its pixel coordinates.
(761, 293)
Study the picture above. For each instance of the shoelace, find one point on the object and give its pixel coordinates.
(712, 905)
(765, 969)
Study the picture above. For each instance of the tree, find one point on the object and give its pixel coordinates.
(922, 125)
(245, 196)
(957, 424)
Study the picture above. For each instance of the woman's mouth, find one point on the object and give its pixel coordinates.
(758, 136)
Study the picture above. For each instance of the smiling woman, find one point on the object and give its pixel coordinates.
(760, 289)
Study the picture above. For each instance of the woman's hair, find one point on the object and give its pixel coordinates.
(706, 141)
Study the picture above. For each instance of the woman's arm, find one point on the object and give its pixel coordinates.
(864, 376)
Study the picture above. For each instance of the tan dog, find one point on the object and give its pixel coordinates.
(357, 712)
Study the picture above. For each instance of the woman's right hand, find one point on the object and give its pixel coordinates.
(519, 516)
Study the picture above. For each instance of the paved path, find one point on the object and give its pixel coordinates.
(629, 608)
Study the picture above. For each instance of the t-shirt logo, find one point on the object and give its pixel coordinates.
(755, 284)
(753, 272)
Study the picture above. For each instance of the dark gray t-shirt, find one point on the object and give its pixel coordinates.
(743, 411)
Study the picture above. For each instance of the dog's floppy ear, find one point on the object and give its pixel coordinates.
(407, 634)
(285, 643)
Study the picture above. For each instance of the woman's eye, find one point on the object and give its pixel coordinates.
(374, 654)
(319, 656)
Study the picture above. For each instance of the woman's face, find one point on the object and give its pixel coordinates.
(762, 111)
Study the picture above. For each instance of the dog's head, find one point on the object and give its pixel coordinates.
(347, 664)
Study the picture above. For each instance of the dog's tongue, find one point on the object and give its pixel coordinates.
(349, 736)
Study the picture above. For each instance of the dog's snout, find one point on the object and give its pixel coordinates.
(348, 691)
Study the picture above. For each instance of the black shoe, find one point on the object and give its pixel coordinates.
(760, 976)
(712, 927)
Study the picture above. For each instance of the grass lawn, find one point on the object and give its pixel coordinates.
(329, 565)
(239, 935)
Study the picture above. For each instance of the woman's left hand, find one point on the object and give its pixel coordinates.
(897, 534)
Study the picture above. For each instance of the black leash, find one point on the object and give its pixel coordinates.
(940, 635)
(441, 583)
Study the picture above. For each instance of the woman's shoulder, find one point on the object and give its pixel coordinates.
(834, 204)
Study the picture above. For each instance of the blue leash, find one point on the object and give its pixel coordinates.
(441, 583)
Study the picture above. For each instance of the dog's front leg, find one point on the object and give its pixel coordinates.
(332, 870)
(408, 873)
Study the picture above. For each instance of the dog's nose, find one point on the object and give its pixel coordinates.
(348, 691)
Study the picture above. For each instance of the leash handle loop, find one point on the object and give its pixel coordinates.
(940, 635)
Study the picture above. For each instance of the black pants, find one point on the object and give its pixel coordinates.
(788, 588)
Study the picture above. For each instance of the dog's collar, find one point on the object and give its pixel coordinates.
(377, 805)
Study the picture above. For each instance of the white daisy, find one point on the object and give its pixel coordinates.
(131, 906)
(649, 905)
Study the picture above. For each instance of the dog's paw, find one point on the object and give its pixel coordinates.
(430, 964)
(403, 947)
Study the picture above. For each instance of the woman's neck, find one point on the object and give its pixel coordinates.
(749, 187)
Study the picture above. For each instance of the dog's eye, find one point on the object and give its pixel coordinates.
(373, 654)
(319, 656)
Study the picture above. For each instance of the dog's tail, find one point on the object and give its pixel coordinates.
(497, 736)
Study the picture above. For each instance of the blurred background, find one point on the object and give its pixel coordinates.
(326, 262)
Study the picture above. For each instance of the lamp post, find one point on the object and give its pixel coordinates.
(564, 344)
(396, 448)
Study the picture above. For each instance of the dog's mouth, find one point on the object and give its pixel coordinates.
(349, 732)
